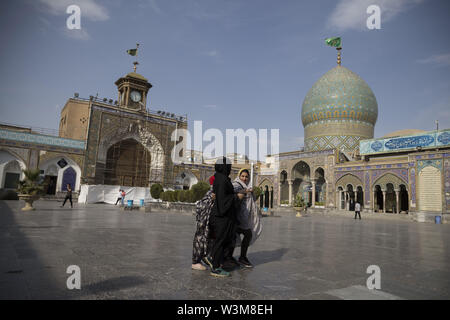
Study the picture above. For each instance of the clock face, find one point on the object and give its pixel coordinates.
(135, 96)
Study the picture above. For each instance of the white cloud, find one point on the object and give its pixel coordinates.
(352, 14)
(89, 8)
(439, 59)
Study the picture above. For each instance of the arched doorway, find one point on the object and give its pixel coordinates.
(12, 173)
(185, 180)
(127, 164)
(301, 182)
(378, 199)
(51, 179)
(284, 188)
(320, 186)
(69, 177)
(403, 199)
(391, 199)
(360, 196)
(350, 198)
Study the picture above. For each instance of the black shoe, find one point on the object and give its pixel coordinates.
(244, 261)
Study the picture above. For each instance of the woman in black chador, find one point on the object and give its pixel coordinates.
(223, 217)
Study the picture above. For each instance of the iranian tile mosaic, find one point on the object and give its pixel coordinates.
(413, 184)
(32, 139)
(423, 140)
(340, 94)
(447, 182)
(425, 163)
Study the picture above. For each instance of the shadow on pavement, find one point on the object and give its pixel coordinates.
(267, 256)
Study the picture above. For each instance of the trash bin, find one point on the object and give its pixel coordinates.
(130, 203)
(142, 202)
(437, 219)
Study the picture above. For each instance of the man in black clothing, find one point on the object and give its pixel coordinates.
(68, 196)
(223, 216)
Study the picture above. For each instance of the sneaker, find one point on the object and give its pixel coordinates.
(208, 261)
(220, 273)
(244, 261)
(198, 266)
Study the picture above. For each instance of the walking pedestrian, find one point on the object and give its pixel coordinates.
(123, 197)
(223, 216)
(119, 198)
(202, 240)
(358, 210)
(249, 223)
(68, 196)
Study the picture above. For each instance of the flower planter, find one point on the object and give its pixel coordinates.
(299, 210)
(29, 199)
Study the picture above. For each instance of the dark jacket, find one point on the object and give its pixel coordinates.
(227, 202)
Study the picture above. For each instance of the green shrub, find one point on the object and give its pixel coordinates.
(298, 201)
(199, 190)
(190, 196)
(176, 194)
(156, 190)
(182, 196)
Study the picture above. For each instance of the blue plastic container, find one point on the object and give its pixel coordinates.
(437, 219)
(130, 203)
(142, 202)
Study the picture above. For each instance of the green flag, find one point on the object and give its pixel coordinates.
(132, 52)
(334, 42)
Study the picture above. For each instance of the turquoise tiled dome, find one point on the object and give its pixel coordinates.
(339, 110)
(340, 94)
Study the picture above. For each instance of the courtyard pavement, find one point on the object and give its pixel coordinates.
(137, 255)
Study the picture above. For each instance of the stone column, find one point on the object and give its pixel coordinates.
(313, 188)
(290, 191)
(397, 194)
(347, 200)
(374, 202)
(279, 194)
(384, 201)
(338, 199)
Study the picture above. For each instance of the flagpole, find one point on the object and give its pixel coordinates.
(339, 56)
(136, 63)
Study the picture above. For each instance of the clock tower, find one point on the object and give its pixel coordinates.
(133, 89)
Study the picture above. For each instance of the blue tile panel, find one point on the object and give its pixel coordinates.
(30, 139)
(431, 139)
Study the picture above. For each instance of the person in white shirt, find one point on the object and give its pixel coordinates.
(358, 210)
(120, 196)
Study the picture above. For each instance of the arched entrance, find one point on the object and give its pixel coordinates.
(284, 188)
(69, 177)
(404, 200)
(360, 196)
(378, 199)
(350, 198)
(12, 173)
(185, 180)
(391, 201)
(302, 182)
(320, 186)
(128, 164)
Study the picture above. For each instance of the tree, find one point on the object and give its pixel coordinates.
(156, 190)
(199, 190)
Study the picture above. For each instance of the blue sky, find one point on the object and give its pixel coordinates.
(232, 64)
